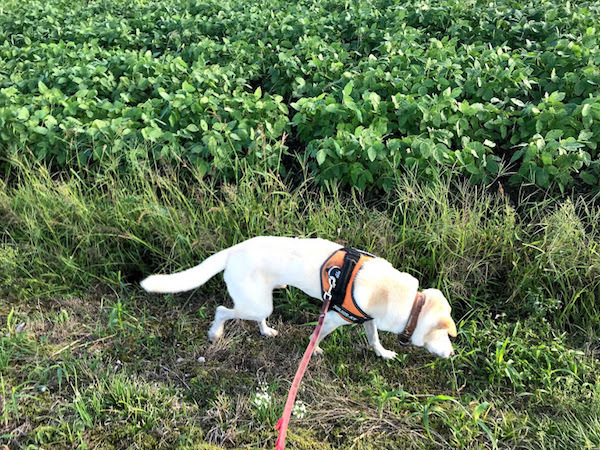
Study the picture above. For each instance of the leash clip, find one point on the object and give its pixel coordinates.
(332, 282)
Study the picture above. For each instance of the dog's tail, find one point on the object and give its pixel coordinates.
(188, 279)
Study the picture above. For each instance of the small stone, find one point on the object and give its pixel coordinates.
(179, 359)
(201, 359)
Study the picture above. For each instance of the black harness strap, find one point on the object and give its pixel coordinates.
(339, 292)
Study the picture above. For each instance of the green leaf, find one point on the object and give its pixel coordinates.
(491, 436)
(192, 128)
(372, 153)
(585, 111)
(23, 114)
(321, 155)
(164, 94)
(441, 398)
(348, 88)
(473, 169)
(375, 100)
(426, 148)
(466, 109)
(42, 87)
(586, 158)
(439, 153)
(50, 121)
(547, 158)
(187, 87)
(492, 166)
(589, 178)
(542, 178)
(480, 410)
(554, 135)
(332, 108)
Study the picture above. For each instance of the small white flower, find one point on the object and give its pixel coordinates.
(201, 359)
(262, 399)
(299, 409)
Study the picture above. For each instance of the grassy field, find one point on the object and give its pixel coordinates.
(457, 139)
(89, 360)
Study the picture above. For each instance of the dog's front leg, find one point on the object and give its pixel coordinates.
(332, 321)
(373, 337)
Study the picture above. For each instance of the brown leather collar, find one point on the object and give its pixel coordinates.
(411, 324)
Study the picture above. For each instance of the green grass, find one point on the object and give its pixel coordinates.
(74, 230)
(88, 360)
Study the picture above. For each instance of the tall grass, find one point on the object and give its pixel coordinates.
(121, 369)
(74, 230)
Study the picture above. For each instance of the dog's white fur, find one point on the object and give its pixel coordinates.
(255, 267)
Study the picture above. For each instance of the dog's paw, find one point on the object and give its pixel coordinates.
(318, 351)
(269, 332)
(386, 354)
(213, 335)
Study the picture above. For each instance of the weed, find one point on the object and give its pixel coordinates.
(264, 405)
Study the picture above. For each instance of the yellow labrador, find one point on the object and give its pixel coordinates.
(255, 267)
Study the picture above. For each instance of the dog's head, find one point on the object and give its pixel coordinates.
(435, 325)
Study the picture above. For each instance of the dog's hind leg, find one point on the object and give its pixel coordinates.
(266, 330)
(252, 299)
(222, 315)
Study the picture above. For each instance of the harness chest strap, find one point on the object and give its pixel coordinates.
(344, 265)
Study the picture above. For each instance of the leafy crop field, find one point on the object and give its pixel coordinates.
(457, 139)
(358, 89)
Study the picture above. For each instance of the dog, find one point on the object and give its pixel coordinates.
(254, 268)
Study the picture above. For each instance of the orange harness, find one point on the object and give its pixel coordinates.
(343, 266)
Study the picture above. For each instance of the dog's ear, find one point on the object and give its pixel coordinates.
(446, 323)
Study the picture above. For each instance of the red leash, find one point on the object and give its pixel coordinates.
(282, 424)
